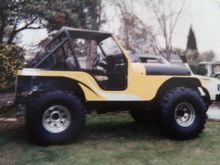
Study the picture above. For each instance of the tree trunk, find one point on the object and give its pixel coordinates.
(91, 53)
(2, 26)
(11, 37)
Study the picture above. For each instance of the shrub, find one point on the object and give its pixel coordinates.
(11, 59)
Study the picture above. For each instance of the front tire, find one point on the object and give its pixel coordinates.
(182, 113)
(55, 117)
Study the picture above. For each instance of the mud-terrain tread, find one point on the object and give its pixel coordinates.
(168, 126)
(35, 109)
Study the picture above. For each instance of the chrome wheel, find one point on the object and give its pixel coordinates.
(56, 119)
(184, 114)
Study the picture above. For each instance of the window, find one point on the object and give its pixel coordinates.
(110, 47)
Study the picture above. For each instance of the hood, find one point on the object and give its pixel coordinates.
(164, 69)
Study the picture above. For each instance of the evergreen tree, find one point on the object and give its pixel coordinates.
(191, 42)
(192, 54)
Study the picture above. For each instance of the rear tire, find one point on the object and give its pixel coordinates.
(55, 117)
(182, 113)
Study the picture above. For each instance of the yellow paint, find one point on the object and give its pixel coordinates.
(140, 85)
(153, 84)
(136, 82)
(122, 49)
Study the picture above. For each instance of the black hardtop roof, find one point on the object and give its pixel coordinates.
(84, 33)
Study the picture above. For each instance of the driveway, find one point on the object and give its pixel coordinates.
(214, 112)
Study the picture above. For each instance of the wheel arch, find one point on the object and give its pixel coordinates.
(207, 97)
(40, 84)
(192, 83)
(175, 82)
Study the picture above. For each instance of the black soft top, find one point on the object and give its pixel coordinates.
(84, 33)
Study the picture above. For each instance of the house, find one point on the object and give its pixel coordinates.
(212, 67)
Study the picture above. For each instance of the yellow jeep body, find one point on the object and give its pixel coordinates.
(144, 82)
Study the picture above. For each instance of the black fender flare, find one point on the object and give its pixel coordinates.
(192, 83)
(39, 84)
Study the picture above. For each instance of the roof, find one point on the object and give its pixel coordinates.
(85, 34)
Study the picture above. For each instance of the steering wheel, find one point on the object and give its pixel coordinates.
(96, 62)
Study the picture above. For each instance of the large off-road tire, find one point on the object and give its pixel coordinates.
(182, 113)
(144, 117)
(55, 117)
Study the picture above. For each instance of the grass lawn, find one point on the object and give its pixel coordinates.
(111, 139)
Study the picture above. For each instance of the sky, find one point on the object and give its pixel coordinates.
(203, 15)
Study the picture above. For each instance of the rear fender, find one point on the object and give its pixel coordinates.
(31, 85)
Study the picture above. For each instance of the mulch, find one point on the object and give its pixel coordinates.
(6, 125)
(7, 117)
(6, 99)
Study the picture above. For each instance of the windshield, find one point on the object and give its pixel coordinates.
(110, 47)
(89, 51)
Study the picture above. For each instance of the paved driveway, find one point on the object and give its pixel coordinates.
(214, 112)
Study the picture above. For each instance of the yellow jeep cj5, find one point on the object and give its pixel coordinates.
(82, 70)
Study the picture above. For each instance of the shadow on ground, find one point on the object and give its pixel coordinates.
(104, 127)
(12, 132)
(125, 128)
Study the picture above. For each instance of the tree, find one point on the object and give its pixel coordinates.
(192, 54)
(166, 18)
(15, 16)
(208, 56)
(191, 40)
(75, 13)
(11, 58)
(18, 15)
(193, 57)
(135, 34)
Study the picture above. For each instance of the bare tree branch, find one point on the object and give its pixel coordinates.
(178, 15)
(167, 19)
(27, 25)
(15, 31)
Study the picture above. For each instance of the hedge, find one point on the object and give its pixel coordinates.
(11, 59)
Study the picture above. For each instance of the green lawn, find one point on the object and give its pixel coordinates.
(111, 139)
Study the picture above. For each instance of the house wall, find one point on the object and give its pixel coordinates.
(216, 68)
(212, 67)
